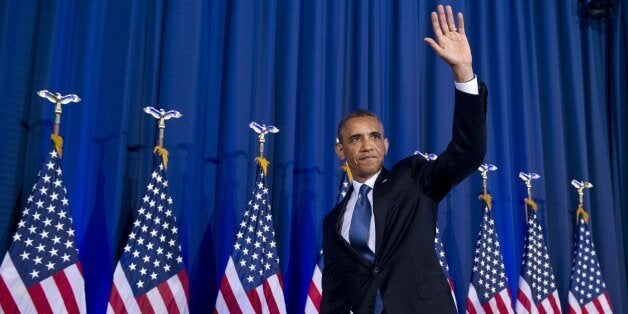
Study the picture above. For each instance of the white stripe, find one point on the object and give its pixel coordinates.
(156, 301)
(605, 305)
(109, 308)
(453, 293)
(124, 290)
(262, 299)
(573, 303)
(590, 307)
(505, 296)
(309, 307)
(220, 303)
(475, 302)
(317, 278)
(53, 296)
(277, 290)
(547, 303)
(492, 303)
(178, 292)
(238, 291)
(78, 285)
(525, 289)
(16, 286)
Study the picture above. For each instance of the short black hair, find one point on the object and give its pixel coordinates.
(354, 114)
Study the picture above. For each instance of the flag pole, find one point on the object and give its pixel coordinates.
(580, 187)
(58, 100)
(484, 169)
(262, 130)
(162, 116)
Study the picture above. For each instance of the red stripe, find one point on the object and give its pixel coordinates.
(584, 310)
(541, 308)
(523, 300)
(500, 304)
(270, 298)
(598, 305)
(487, 307)
(255, 301)
(315, 296)
(183, 277)
(80, 268)
(227, 294)
(115, 301)
(470, 307)
(167, 297)
(552, 300)
(66, 292)
(7, 304)
(144, 304)
(571, 310)
(608, 300)
(39, 299)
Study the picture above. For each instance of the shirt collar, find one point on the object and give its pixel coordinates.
(370, 182)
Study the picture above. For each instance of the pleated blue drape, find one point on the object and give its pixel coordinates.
(557, 95)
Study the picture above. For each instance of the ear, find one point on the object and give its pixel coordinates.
(385, 146)
(339, 151)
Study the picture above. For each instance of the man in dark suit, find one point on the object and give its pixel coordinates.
(378, 243)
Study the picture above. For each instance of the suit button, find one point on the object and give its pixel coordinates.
(369, 304)
(375, 270)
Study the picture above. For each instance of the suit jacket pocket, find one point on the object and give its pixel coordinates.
(432, 287)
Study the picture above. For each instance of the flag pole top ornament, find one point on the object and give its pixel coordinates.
(162, 116)
(484, 169)
(527, 178)
(262, 130)
(580, 187)
(58, 100)
(427, 156)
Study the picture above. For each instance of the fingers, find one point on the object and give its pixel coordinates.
(442, 20)
(451, 25)
(461, 24)
(435, 26)
(433, 44)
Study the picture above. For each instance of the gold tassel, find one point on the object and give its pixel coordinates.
(531, 203)
(263, 163)
(487, 199)
(158, 150)
(347, 170)
(57, 140)
(581, 212)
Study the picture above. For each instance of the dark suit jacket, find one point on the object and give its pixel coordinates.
(405, 270)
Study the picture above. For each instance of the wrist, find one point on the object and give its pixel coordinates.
(463, 73)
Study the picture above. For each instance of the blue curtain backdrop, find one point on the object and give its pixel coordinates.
(557, 106)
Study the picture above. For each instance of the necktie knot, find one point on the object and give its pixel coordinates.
(364, 190)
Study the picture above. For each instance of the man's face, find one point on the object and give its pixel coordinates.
(363, 146)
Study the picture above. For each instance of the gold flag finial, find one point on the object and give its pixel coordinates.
(262, 130)
(527, 178)
(58, 100)
(580, 187)
(484, 169)
(162, 116)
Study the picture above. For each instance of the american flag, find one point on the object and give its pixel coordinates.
(41, 271)
(587, 291)
(315, 292)
(537, 286)
(252, 281)
(150, 276)
(442, 259)
(488, 291)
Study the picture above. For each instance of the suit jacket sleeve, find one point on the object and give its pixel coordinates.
(465, 152)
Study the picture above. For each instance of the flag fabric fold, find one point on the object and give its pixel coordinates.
(150, 276)
(442, 259)
(315, 291)
(587, 290)
(41, 271)
(537, 291)
(252, 282)
(488, 291)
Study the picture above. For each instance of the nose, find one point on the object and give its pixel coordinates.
(367, 145)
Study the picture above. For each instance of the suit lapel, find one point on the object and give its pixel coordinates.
(381, 196)
(342, 208)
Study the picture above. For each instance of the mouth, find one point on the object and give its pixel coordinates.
(367, 158)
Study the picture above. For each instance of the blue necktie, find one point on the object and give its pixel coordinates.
(361, 224)
(359, 233)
